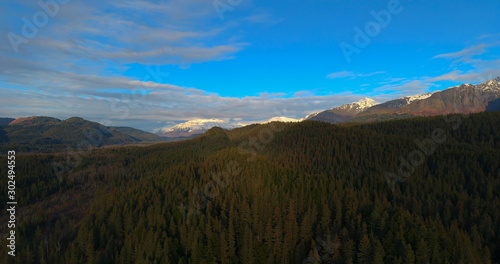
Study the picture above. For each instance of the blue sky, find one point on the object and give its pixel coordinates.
(151, 64)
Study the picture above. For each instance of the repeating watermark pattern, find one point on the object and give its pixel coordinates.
(372, 29)
(220, 180)
(223, 6)
(95, 137)
(32, 26)
(424, 149)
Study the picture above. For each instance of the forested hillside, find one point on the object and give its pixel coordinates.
(48, 134)
(306, 192)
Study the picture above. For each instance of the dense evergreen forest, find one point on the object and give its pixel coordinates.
(422, 190)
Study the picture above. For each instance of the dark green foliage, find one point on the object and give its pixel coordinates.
(275, 193)
(138, 134)
(379, 117)
(5, 120)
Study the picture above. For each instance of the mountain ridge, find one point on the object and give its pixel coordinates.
(48, 134)
(342, 113)
(465, 98)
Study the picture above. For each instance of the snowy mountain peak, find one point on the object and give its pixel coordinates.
(366, 103)
(195, 126)
(359, 106)
(412, 98)
(495, 81)
(491, 85)
(311, 116)
(283, 119)
(340, 114)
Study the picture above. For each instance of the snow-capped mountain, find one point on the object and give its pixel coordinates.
(342, 113)
(489, 86)
(358, 106)
(193, 127)
(410, 99)
(308, 117)
(402, 102)
(273, 119)
(465, 98)
(282, 119)
(200, 126)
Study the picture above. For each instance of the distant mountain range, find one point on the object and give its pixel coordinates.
(466, 98)
(192, 128)
(47, 134)
(200, 126)
(343, 113)
(6, 121)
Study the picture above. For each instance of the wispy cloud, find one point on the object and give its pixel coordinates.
(263, 18)
(475, 67)
(303, 93)
(475, 50)
(486, 36)
(469, 76)
(148, 32)
(404, 88)
(350, 74)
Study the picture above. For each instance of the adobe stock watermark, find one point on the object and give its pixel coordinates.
(372, 29)
(31, 27)
(424, 149)
(223, 6)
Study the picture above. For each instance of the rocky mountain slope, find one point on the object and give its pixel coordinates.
(466, 98)
(342, 113)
